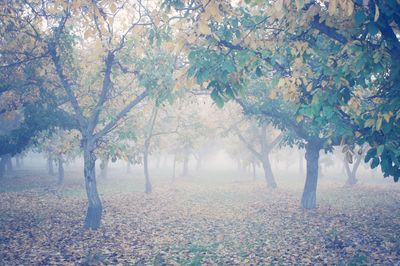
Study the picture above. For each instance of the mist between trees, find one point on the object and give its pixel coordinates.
(289, 92)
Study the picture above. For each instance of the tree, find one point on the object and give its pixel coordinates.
(100, 94)
(259, 140)
(60, 146)
(274, 68)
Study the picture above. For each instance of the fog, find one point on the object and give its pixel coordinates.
(199, 132)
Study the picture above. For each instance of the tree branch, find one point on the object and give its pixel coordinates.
(248, 145)
(107, 128)
(104, 92)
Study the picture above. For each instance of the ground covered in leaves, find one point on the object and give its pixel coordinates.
(198, 223)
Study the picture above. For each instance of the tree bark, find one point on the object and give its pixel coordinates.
(352, 173)
(17, 161)
(60, 170)
(128, 167)
(2, 166)
(50, 166)
(253, 164)
(174, 169)
(158, 161)
(199, 162)
(94, 211)
(9, 164)
(149, 134)
(148, 187)
(269, 176)
(185, 170)
(309, 198)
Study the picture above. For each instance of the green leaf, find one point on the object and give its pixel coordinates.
(229, 66)
(375, 162)
(328, 111)
(359, 17)
(258, 72)
(379, 150)
(373, 28)
(217, 98)
(370, 154)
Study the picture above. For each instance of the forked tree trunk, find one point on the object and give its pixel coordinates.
(269, 176)
(60, 171)
(50, 166)
(94, 211)
(148, 187)
(352, 173)
(309, 198)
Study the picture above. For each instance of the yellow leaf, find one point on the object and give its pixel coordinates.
(279, 5)
(379, 123)
(299, 4)
(299, 118)
(204, 29)
(376, 17)
(88, 34)
(273, 95)
(332, 7)
(350, 7)
(113, 7)
(369, 123)
(214, 11)
(387, 117)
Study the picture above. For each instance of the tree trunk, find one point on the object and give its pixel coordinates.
(185, 170)
(148, 187)
(9, 164)
(104, 168)
(199, 163)
(2, 166)
(239, 165)
(158, 162)
(253, 164)
(94, 211)
(17, 161)
(352, 174)
(128, 167)
(269, 176)
(174, 169)
(60, 170)
(50, 166)
(309, 198)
